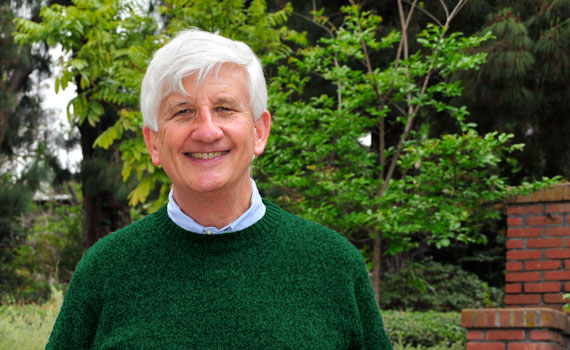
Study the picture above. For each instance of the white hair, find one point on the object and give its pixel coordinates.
(194, 51)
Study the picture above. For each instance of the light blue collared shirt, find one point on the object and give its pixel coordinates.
(251, 216)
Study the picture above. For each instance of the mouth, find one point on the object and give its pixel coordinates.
(205, 155)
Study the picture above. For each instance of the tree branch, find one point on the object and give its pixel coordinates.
(414, 109)
(425, 13)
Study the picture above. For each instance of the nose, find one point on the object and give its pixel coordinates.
(205, 129)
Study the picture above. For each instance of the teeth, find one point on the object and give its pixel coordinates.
(200, 155)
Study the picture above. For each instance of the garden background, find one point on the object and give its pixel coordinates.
(403, 125)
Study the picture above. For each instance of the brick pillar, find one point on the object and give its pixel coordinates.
(516, 329)
(537, 276)
(538, 249)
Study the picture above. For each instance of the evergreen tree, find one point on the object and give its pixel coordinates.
(25, 157)
(523, 88)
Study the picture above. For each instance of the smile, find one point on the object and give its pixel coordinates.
(204, 155)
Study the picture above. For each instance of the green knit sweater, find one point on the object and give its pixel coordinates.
(283, 283)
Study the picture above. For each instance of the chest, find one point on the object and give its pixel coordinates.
(210, 305)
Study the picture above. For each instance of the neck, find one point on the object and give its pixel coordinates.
(218, 208)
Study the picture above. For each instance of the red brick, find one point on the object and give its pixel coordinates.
(524, 232)
(511, 334)
(514, 266)
(530, 346)
(514, 221)
(558, 231)
(558, 208)
(540, 334)
(513, 288)
(505, 321)
(550, 318)
(480, 319)
(524, 255)
(518, 318)
(567, 264)
(467, 318)
(543, 265)
(542, 287)
(544, 220)
(522, 299)
(523, 276)
(492, 320)
(525, 209)
(558, 254)
(544, 243)
(475, 335)
(557, 275)
(554, 298)
(514, 243)
(485, 346)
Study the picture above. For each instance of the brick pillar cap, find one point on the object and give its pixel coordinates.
(557, 193)
(539, 317)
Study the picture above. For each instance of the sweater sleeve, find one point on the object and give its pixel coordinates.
(76, 324)
(374, 335)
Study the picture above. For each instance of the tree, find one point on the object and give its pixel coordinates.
(408, 186)
(523, 87)
(101, 41)
(26, 158)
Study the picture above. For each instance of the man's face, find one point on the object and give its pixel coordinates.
(207, 139)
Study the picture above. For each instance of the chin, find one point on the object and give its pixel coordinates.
(207, 186)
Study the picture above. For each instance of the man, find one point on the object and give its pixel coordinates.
(218, 267)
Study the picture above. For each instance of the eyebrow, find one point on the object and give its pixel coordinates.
(226, 99)
(177, 105)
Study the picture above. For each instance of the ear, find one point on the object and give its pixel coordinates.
(262, 128)
(151, 141)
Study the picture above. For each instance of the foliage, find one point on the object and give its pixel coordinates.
(429, 285)
(47, 252)
(425, 330)
(27, 147)
(28, 326)
(408, 185)
(51, 251)
(20, 112)
(14, 203)
(523, 87)
(411, 184)
(566, 307)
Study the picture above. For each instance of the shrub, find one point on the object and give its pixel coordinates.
(425, 330)
(48, 256)
(433, 286)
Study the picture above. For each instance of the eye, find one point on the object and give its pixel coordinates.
(182, 111)
(222, 109)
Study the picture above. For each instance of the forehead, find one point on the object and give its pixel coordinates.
(227, 79)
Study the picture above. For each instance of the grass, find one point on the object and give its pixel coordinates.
(27, 327)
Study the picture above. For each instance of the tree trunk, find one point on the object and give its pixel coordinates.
(377, 269)
(103, 209)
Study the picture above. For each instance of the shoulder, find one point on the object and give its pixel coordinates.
(129, 239)
(314, 237)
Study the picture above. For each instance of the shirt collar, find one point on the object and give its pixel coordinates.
(251, 216)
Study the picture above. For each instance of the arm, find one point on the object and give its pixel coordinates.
(373, 333)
